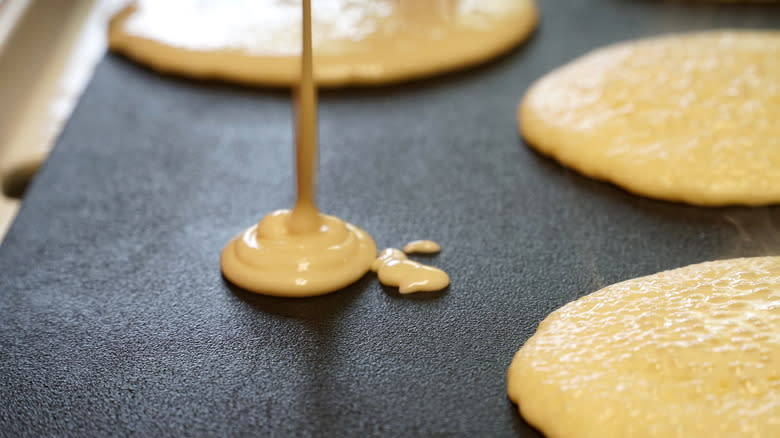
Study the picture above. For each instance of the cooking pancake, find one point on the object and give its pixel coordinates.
(356, 42)
(690, 118)
(691, 352)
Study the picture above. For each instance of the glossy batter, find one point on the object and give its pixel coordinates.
(385, 256)
(393, 268)
(691, 352)
(691, 118)
(356, 41)
(302, 252)
(422, 247)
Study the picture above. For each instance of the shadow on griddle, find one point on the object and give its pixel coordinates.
(318, 309)
(314, 340)
(747, 231)
(420, 296)
(665, 209)
(519, 425)
(205, 84)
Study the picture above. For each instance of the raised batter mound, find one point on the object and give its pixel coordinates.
(691, 118)
(691, 352)
(355, 41)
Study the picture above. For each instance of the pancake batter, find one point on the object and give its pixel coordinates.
(689, 118)
(393, 268)
(422, 247)
(385, 256)
(357, 41)
(691, 352)
(302, 252)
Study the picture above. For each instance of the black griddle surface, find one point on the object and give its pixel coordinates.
(115, 321)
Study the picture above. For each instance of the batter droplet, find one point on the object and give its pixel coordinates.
(422, 247)
(268, 258)
(394, 269)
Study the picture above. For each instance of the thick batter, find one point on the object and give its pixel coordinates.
(422, 247)
(690, 118)
(356, 41)
(393, 268)
(692, 352)
(302, 252)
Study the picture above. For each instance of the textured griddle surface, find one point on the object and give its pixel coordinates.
(114, 319)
